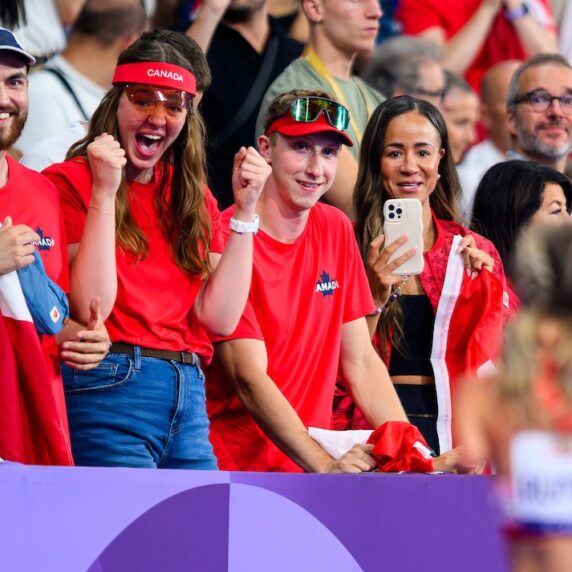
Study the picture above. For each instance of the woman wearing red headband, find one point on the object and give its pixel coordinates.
(144, 234)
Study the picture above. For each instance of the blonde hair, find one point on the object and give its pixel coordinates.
(543, 278)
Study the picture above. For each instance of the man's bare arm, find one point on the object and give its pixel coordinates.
(367, 377)
(245, 362)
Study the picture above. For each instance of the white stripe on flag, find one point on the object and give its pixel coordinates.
(447, 301)
(12, 301)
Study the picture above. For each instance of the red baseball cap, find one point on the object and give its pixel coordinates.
(287, 125)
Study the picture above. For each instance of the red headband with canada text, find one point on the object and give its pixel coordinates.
(156, 73)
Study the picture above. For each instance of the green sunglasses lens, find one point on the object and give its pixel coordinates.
(341, 118)
(308, 109)
(302, 112)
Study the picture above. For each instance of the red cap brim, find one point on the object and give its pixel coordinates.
(287, 125)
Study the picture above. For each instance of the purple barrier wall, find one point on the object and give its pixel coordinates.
(107, 520)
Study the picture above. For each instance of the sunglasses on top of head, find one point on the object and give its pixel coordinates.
(308, 109)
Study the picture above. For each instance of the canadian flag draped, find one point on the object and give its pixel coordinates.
(33, 428)
(467, 334)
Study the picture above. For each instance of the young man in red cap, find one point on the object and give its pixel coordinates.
(274, 376)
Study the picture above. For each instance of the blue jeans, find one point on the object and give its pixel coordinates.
(134, 411)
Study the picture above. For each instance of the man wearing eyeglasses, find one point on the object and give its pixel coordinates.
(539, 111)
(274, 376)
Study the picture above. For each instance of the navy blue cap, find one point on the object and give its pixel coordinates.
(8, 43)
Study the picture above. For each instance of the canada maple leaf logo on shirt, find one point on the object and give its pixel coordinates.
(326, 285)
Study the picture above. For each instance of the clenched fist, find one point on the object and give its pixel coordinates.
(249, 175)
(106, 161)
(16, 246)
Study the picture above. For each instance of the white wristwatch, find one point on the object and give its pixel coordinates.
(243, 227)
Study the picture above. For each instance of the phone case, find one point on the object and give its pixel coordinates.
(403, 216)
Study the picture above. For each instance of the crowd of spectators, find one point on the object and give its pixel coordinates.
(211, 200)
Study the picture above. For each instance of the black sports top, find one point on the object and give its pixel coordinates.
(419, 320)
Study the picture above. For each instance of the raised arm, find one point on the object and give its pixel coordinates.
(534, 36)
(204, 25)
(379, 273)
(367, 377)
(92, 262)
(221, 301)
(245, 362)
(460, 50)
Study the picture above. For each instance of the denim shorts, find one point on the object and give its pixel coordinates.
(134, 411)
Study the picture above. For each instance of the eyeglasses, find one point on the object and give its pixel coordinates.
(541, 100)
(175, 102)
(308, 109)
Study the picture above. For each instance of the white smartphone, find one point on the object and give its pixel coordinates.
(403, 216)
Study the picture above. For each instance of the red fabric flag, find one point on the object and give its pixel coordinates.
(467, 337)
(399, 446)
(32, 429)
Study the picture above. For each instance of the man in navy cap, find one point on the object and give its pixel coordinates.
(31, 219)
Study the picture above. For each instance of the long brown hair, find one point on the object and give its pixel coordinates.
(370, 194)
(184, 217)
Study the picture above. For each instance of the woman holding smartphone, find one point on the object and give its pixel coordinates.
(144, 231)
(430, 327)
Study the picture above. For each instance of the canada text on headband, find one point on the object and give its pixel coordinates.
(156, 73)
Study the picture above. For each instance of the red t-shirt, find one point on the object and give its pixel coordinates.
(502, 43)
(154, 295)
(301, 295)
(31, 199)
